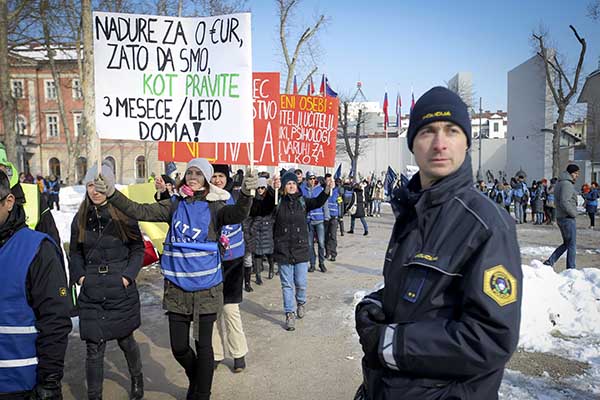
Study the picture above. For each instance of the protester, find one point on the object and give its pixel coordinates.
(291, 247)
(447, 320)
(566, 212)
(507, 195)
(34, 307)
(537, 203)
(233, 266)
(591, 203)
(341, 202)
(106, 255)
(368, 195)
(357, 209)
(165, 187)
(331, 225)
(520, 197)
(378, 196)
(551, 202)
(300, 176)
(260, 225)
(195, 220)
(315, 219)
(52, 189)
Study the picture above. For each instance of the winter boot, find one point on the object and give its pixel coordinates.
(137, 387)
(300, 310)
(311, 268)
(257, 269)
(366, 233)
(247, 276)
(322, 267)
(271, 270)
(290, 321)
(239, 364)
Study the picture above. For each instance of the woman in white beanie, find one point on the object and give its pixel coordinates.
(191, 261)
(106, 255)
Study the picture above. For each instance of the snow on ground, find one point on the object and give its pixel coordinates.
(546, 251)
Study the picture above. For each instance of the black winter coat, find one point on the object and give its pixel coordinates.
(452, 295)
(291, 230)
(260, 224)
(107, 309)
(357, 196)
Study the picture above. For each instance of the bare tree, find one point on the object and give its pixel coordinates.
(594, 10)
(291, 58)
(353, 145)
(561, 86)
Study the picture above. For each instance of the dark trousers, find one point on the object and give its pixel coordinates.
(94, 363)
(331, 227)
(568, 231)
(199, 365)
(53, 198)
(592, 216)
(341, 223)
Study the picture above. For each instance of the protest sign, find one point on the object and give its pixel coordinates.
(308, 130)
(173, 79)
(265, 91)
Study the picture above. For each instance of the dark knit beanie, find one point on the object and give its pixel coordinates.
(222, 168)
(438, 104)
(288, 176)
(572, 168)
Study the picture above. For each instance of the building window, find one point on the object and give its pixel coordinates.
(21, 125)
(52, 125)
(18, 89)
(140, 167)
(54, 166)
(77, 125)
(496, 127)
(50, 90)
(76, 89)
(81, 169)
(113, 164)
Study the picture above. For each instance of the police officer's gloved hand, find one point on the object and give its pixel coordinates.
(370, 320)
(250, 183)
(49, 390)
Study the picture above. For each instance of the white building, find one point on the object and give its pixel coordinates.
(493, 124)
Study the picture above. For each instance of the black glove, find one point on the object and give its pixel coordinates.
(369, 323)
(47, 391)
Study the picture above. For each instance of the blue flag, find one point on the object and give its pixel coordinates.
(390, 179)
(338, 172)
(170, 168)
(328, 90)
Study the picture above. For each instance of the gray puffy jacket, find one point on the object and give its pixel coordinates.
(566, 197)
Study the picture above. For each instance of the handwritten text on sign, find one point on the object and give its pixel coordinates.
(173, 79)
(265, 91)
(308, 130)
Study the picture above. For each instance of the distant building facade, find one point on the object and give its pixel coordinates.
(42, 141)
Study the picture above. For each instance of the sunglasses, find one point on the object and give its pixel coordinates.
(312, 178)
(262, 187)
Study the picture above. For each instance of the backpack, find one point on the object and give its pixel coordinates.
(499, 198)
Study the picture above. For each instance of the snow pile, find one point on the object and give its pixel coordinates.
(541, 251)
(561, 311)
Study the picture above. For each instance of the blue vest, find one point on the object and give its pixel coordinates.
(317, 213)
(189, 260)
(18, 355)
(236, 239)
(332, 203)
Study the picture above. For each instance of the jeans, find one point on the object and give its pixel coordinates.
(518, 212)
(94, 363)
(362, 220)
(539, 218)
(376, 207)
(293, 276)
(568, 231)
(320, 230)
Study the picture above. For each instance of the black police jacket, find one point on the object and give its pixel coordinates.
(452, 295)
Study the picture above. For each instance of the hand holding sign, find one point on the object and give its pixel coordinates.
(159, 184)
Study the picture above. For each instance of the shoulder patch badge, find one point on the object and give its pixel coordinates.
(500, 285)
(62, 292)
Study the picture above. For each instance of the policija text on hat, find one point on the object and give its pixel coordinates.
(447, 320)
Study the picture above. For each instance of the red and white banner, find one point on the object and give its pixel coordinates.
(308, 130)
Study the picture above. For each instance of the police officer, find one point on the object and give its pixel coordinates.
(447, 320)
(34, 307)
